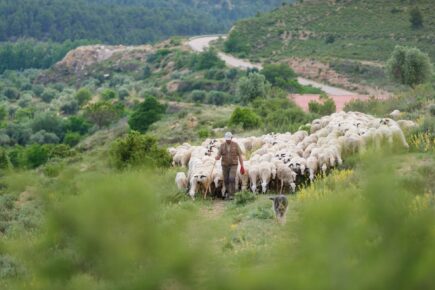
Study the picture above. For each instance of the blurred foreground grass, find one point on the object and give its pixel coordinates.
(372, 227)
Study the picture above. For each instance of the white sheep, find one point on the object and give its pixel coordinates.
(181, 181)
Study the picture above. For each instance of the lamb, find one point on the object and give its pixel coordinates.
(254, 176)
(267, 172)
(406, 124)
(181, 181)
(312, 165)
(286, 175)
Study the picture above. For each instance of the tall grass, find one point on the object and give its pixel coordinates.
(355, 229)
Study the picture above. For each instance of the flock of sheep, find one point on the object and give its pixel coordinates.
(283, 161)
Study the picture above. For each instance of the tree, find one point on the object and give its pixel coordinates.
(244, 117)
(409, 66)
(102, 114)
(251, 87)
(416, 18)
(108, 94)
(146, 113)
(278, 75)
(83, 96)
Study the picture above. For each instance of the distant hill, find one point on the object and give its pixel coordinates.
(121, 21)
(358, 30)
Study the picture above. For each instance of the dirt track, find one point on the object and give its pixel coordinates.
(339, 95)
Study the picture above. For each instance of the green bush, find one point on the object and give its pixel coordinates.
(204, 133)
(245, 117)
(83, 96)
(77, 124)
(11, 93)
(147, 113)
(36, 155)
(278, 74)
(4, 159)
(137, 150)
(326, 106)
(52, 169)
(102, 114)
(198, 96)
(108, 94)
(217, 98)
(72, 139)
(409, 66)
(206, 60)
(48, 95)
(416, 18)
(251, 87)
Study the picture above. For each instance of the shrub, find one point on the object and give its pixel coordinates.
(330, 39)
(409, 66)
(44, 137)
(204, 133)
(136, 149)
(244, 197)
(83, 96)
(102, 114)
(147, 113)
(48, 95)
(11, 93)
(52, 169)
(216, 98)
(36, 155)
(4, 159)
(72, 139)
(77, 124)
(108, 94)
(278, 74)
(70, 107)
(206, 60)
(416, 18)
(326, 106)
(50, 123)
(123, 93)
(251, 87)
(198, 96)
(245, 117)
(38, 90)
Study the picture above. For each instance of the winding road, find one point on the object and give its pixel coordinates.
(340, 96)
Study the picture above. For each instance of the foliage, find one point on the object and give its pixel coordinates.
(48, 95)
(108, 94)
(77, 124)
(102, 114)
(306, 30)
(423, 142)
(83, 96)
(244, 117)
(44, 137)
(416, 18)
(251, 87)
(72, 139)
(198, 96)
(36, 155)
(206, 60)
(280, 115)
(49, 123)
(29, 53)
(244, 197)
(326, 106)
(137, 150)
(147, 113)
(278, 74)
(409, 66)
(217, 98)
(119, 21)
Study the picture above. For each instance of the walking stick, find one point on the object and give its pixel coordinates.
(210, 179)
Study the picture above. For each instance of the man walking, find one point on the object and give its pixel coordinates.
(231, 155)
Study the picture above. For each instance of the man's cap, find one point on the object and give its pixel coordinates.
(228, 136)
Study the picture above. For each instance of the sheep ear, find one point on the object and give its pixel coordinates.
(272, 198)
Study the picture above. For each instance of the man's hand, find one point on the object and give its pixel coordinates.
(242, 170)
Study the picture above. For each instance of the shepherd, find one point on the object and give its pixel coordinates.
(231, 155)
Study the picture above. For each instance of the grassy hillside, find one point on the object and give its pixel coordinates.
(360, 30)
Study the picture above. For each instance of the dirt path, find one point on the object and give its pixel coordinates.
(201, 43)
(215, 210)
